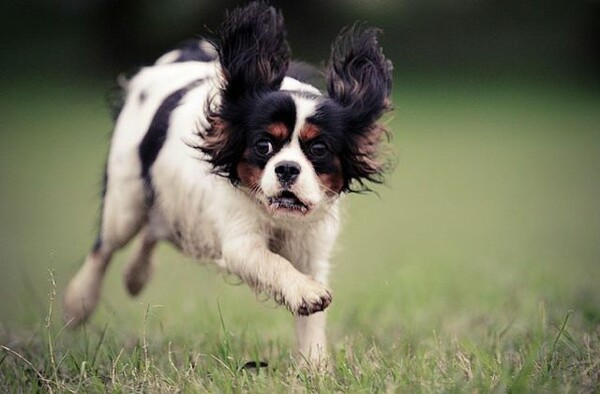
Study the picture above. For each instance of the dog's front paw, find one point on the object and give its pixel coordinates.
(307, 298)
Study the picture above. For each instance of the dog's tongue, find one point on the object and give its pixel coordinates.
(288, 198)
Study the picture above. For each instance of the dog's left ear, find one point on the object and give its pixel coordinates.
(253, 51)
(254, 57)
(359, 79)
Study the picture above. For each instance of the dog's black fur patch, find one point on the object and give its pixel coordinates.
(157, 133)
(98, 242)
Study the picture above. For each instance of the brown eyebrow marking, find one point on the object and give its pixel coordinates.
(279, 131)
(309, 131)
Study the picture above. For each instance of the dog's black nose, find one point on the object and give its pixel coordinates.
(287, 172)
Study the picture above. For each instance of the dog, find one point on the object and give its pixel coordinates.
(222, 149)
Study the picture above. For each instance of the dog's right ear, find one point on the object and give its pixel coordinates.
(359, 80)
(254, 57)
(253, 51)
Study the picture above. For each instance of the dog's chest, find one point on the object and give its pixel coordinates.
(294, 245)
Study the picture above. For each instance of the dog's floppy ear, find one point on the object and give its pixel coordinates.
(359, 79)
(254, 56)
(253, 51)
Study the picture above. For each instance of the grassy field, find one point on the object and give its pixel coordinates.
(476, 269)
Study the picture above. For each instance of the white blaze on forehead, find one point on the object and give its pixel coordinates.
(293, 151)
(305, 108)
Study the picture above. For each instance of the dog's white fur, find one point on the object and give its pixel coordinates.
(282, 254)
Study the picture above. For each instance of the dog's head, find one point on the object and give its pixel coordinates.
(290, 147)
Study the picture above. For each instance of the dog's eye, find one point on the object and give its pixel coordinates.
(263, 147)
(318, 149)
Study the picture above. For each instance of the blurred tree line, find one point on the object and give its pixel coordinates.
(97, 38)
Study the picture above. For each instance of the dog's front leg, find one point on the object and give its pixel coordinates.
(249, 258)
(310, 339)
(311, 342)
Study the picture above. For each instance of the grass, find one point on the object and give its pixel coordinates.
(475, 270)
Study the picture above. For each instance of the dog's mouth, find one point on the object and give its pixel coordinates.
(289, 202)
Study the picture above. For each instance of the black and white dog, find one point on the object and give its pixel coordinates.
(221, 149)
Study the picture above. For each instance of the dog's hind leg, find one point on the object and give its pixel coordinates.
(139, 268)
(123, 214)
(82, 292)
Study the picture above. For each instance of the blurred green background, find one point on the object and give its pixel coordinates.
(494, 206)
